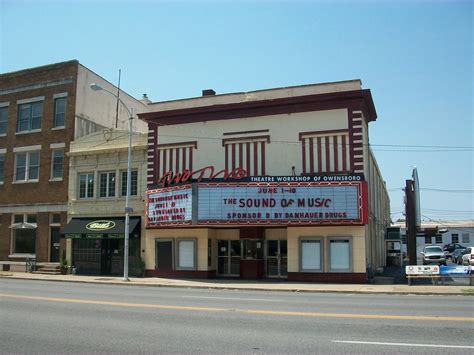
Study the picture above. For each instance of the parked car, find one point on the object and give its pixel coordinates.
(468, 256)
(456, 256)
(451, 247)
(433, 254)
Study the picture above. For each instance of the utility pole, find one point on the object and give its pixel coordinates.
(410, 217)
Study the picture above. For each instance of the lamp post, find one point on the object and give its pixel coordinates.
(128, 209)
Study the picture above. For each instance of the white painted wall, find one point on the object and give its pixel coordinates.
(99, 107)
(283, 151)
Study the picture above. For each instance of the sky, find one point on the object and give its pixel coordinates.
(416, 57)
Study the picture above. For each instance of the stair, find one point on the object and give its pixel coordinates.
(48, 269)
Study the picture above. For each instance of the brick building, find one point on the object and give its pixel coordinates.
(42, 110)
(270, 183)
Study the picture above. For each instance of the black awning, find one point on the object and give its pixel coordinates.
(99, 226)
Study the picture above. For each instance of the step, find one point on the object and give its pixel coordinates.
(43, 272)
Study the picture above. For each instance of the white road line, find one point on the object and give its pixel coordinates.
(232, 298)
(405, 344)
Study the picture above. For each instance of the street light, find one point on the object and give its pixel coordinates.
(128, 210)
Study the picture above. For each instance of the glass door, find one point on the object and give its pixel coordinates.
(228, 257)
(277, 258)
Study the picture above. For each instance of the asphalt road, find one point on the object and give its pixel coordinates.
(55, 317)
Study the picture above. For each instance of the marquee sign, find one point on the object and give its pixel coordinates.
(253, 203)
(276, 204)
(171, 206)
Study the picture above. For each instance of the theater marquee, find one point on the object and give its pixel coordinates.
(253, 203)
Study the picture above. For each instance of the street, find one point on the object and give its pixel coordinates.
(61, 317)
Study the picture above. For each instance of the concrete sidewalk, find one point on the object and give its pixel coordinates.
(262, 285)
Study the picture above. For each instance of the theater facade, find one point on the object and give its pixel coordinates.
(277, 183)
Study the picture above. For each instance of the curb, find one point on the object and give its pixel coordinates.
(413, 292)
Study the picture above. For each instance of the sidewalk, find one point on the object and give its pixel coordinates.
(261, 285)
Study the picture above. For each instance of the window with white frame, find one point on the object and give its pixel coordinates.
(311, 255)
(340, 254)
(24, 234)
(427, 239)
(2, 167)
(133, 183)
(107, 184)
(439, 239)
(27, 166)
(3, 120)
(186, 254)
(57, 160)
(59, 112)
(465, 238)
(454, 238)
(86, 185)
(29, 116)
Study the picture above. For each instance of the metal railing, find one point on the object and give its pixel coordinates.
(30, 264)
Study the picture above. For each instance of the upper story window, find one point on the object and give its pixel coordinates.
(86, 185)
(27, 161)
(133, 183)
(3, 119)
(107, 184)
(325, 152)
(246, 152)
(29, 115)
(59, 110)
(2, 166)
(57, 160)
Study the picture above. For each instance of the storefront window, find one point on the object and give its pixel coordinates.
(186, 254)
(310, 255)
(24, 241)
(340, 255)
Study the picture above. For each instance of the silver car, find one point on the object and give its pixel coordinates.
(433, 254)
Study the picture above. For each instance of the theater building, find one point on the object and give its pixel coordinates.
(277, 183)
(95, 232)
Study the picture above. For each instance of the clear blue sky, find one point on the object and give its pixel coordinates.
(415, 56)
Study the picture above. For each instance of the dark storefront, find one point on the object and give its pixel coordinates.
(98, 245)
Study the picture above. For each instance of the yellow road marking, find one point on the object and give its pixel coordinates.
(245, 311)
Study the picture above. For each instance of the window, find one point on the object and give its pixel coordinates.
(133, 183)
(86, 185)
(186, 254)
(465, 238)
(56, 218)
(427, 239)
(3, 120)
(439, 239)
(29, 116)
(27, 166)
(311, 255)
(2, 168)
(57, 164)
(59, 112)
(340, 254)
(107, 184)
(404, 238)
(454, 238)
(24, 234)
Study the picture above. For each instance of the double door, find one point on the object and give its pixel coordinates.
(277, 258)
(230, 254)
